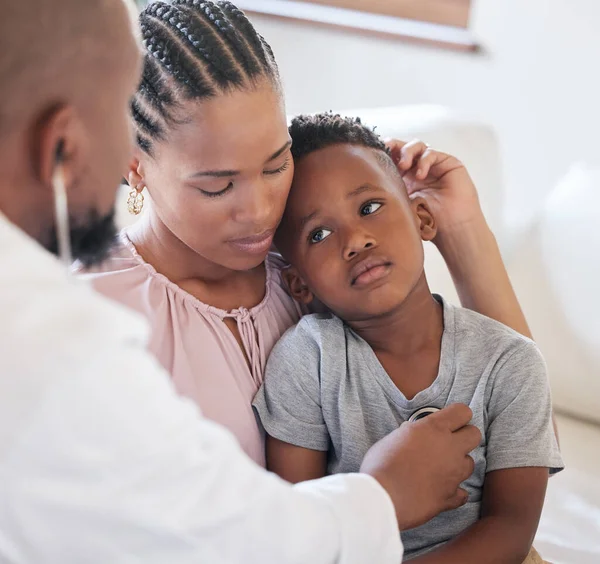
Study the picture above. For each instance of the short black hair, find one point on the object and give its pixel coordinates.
(310, 133)
(194, 50)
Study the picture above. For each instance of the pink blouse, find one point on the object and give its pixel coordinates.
(190, 339)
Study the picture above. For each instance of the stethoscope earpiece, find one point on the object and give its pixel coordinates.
(61, 208)
(59, 153)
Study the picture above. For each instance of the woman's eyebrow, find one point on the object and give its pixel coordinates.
(227, 173)
(216, 173)
(280, 151)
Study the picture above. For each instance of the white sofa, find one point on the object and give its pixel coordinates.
(569, 531)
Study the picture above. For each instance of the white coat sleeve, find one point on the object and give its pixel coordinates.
(115, 467)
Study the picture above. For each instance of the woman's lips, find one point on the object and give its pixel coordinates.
(255, 244)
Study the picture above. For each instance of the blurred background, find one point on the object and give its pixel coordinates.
(511, 88)
(534, 77)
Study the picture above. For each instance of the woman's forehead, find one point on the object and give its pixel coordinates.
(242, 125)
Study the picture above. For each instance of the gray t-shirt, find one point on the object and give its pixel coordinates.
(326, 390)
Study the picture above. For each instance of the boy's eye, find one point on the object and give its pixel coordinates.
(319, 235)
(370, 208)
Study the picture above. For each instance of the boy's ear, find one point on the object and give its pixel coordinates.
(296, 285)
(426, 221)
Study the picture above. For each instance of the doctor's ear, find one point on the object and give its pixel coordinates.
(59, 155)
(60, 140)
(296, 285)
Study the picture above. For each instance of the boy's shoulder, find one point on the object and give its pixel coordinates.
(313, 335)
(318, 328)
(485, 336)
(316, 339)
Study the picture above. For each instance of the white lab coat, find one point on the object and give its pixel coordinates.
(101, 462)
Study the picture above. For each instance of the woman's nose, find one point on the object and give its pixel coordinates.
(257, 207)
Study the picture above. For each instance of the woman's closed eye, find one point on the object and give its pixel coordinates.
(219, 193)
(279, 170)
(319, 235)
(370, 208)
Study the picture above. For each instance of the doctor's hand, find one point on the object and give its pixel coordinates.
(422, 464)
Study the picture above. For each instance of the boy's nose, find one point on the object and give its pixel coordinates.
(357, 243)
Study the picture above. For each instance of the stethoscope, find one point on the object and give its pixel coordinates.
(61, 209)
(421, 413)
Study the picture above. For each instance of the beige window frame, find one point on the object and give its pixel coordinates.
(444, 12)
(442, 22)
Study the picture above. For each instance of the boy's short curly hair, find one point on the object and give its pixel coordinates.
(313, 132)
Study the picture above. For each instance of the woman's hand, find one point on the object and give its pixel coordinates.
(464, 238)
(443, 181)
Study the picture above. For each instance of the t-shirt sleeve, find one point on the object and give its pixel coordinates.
(289, 401)
(520, 431)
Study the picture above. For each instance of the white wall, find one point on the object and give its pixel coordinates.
(537, 82)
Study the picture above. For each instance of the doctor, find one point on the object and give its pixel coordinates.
(100, 461)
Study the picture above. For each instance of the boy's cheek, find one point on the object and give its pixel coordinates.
(329, 284)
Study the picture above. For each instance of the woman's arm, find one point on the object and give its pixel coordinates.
(479, 274)
(511, 509)
(464, 238)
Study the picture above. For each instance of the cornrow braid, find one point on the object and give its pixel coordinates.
(148, 125)
(195, 50)
(261, 49)
(310, 133)
(153, 88)
(161, 44)
(223, 28)
(193, 30)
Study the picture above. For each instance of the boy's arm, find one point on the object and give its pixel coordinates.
(511, 508)
(293, 463)
(520, 451)
(288, 405)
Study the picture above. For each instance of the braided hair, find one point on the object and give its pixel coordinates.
(195, 50)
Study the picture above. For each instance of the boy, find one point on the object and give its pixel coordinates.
(391, 352)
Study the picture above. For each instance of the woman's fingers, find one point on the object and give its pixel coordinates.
(426, 161)
(410, 153)
(395, 147)
(414, 156)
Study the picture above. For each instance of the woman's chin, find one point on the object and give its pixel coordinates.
(245, 261)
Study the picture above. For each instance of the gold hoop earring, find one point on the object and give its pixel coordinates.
(135, 202)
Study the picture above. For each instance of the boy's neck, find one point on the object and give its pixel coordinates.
(416, 325)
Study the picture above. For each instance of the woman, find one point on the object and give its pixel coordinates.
(214, 155)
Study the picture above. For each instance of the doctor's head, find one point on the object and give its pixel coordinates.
(68, 70)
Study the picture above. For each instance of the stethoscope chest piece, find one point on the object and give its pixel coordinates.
(421, 413)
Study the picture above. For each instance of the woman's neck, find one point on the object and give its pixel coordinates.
(161, 248)
(417, 324)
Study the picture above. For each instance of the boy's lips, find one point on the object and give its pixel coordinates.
(369, 270)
